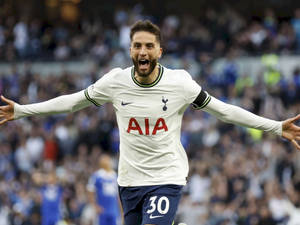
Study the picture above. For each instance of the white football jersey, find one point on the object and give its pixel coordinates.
(149, 119)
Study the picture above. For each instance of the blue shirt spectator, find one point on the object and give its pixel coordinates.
(103, 190)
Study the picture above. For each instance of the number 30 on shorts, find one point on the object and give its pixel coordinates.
(162, 205)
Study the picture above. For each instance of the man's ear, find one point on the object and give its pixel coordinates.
(160, 52)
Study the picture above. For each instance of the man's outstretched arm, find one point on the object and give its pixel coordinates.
(61, 104)
(236, 115)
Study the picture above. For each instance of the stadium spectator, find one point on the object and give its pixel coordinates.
(103, 192)
(51, 197)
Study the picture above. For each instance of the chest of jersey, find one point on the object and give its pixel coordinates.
(147, 111)
(147, 103)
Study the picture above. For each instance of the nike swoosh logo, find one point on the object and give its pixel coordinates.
(125, 103)
(153, 217)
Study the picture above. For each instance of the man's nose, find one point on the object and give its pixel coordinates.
(143, 50)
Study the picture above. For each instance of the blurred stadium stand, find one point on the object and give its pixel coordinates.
(243, 52)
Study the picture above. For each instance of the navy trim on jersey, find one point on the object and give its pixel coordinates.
(160, 73)
(202, 100)
(86, 93)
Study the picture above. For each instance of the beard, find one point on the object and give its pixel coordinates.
(152, 65)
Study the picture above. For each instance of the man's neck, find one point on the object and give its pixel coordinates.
(149, 79)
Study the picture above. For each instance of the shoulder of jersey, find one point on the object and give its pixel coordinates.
(177, 73)
(117, 72)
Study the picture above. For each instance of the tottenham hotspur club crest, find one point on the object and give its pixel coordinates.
(165, 103)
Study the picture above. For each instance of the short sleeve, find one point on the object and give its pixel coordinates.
(191, 88)
(101, 92)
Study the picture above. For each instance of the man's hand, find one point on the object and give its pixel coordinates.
(6, 111)
(291, 131)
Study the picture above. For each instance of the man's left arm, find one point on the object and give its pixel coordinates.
(237, 115)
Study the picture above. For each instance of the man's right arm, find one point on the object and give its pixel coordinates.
(98, 93)
(62, 104)
(91, 189)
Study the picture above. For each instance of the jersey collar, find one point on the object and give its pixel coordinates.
(160, 73)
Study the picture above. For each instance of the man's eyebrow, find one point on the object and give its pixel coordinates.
(150, 42)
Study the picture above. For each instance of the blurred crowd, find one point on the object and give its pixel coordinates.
(213, 31)
(237, 176)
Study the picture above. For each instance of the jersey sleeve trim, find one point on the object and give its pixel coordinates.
(202, 100)
(86, 93)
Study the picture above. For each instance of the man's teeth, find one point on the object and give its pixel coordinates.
(143, 61)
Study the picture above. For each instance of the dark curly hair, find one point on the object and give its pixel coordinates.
(145, 25)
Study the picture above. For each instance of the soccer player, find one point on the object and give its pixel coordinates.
(51, 194)
(103, 192)
(149, 100)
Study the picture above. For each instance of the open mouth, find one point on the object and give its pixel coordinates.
(144, 63)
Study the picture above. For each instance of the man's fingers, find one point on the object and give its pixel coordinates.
(297, 131)
(3, 121)
(295, 143)
(9, 102)
(295, 118)
(5, 109)
(3, 99)
(2, 113)
(5, 115)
